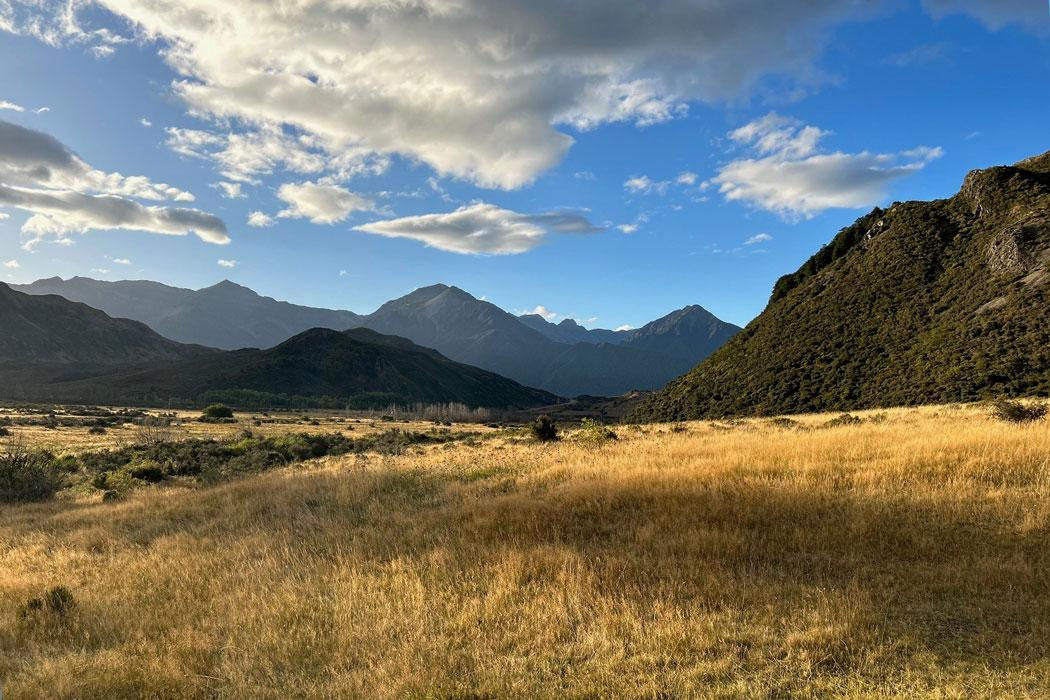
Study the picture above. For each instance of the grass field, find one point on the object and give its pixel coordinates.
(907, 555)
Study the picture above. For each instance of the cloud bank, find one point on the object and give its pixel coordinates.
(40, 175)
(484, 90)
(481, 229)
(788, 174)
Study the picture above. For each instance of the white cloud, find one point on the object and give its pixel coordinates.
(228, 264)
(995, 14)
(343, 273)
(628, 228)
(244, 157)
(481, 229)
(758, 238)
(320, 203)
(145, 122)
(687, 178)
(541, 311)
(120, 261)
(40, 175)
(99, 271)
(788, 174)
(260, 219)
(230, 190)
(645, 185)
(477, 89)
(41, 110)
(4, 216)
(620, 329)
(12, 265)
(11, 106)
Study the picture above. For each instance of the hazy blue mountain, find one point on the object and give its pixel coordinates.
(226, 315)
(479, 333)
(569, 331)
(358, 367)
(527, 349)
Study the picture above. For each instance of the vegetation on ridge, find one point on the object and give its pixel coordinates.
(925, 302)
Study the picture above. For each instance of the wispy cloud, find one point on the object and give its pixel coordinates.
(482, 229)
(65, 195)
(788, 174)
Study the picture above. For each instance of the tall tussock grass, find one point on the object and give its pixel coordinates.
(900, 557)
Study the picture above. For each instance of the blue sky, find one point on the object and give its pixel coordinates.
(605, 165)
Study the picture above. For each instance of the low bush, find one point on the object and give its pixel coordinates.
(595, 432)
(28, 474)
(1017, 412)
(210, 461)
(218, 411)
(844, 419)
(544, 429)
(57, 602)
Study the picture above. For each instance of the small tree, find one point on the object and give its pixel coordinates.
(544, 429)
(218, 411)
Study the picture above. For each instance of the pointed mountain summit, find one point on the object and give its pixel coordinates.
(565, 358)
(924, 302)
(550, 356)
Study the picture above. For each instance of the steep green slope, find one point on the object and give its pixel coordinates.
(358, 367)
(921, 303)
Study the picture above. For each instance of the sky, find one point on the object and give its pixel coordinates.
(606, 161)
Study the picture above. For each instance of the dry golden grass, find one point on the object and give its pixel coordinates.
(903, 557)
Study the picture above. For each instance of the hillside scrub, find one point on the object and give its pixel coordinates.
(955, 296)
(903, 557)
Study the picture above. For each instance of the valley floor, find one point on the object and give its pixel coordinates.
(906, 555)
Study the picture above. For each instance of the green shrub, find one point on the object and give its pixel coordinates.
(96, 430)
(593, 431)
(4, 432)
(844, 419)
(1017, 412)
(27, 474)
(544, 429)
(219, 411)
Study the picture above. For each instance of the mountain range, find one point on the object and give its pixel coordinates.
(61, 350)
(47, 337)
(923, 302)
(225, 316)
(565, 359)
